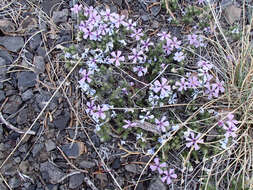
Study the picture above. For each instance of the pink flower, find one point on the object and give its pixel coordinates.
(164, 36)
(210, 91)
(107, 15)
(137, 34)
(76, 8)
(179, 56)
(230, 131)
(117, 58)
(158, 166)
(204, 65)
(162, 86)
(136, 55)
(175, 43)
(87, 32)
(182, 85)
(167, 47)
(88, 11)
(91, 107)
(118, 20)
(231, 121)
(193, 82)
(218, 86)
(168, 176)
(141, 70)
(162, 124)
(193, 141)
(129, 124)
(146, 44)
(130, 25)
(96, 35)
(85, 75)
(100, 112)
(196, 41)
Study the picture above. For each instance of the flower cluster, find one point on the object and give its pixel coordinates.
(167, 175)
(113, 76)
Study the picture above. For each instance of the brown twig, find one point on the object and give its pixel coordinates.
(73, 166)
(10, 126)
(128, 152)
(168, 9)
(4, 104)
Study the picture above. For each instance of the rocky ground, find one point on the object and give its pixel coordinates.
(32, 75)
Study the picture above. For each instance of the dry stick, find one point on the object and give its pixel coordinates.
(40, 114)
(10, 126)
(66, 158)
(5, 181)
(19, 55)
(168, 9)
(219, 27)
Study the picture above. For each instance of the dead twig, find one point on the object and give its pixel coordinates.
(10, 126)
(128, 152)
(168, 9)
(73, 166)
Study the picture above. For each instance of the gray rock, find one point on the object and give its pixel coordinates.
(155, 24)
(10, 92)
(118, 2)
(22, 117)
(2, 95)
(23, 148)
(24, 166)
(43, 98)
(13, 44)
(86, 164)
(14, 182)
(2, 186)
(9, 169)
(26, 80)
(2, 147)
(35, 42)
(27, 95)
(76, 180)
(131, 168)
(2, 156)
(60, 16)
(73, 151)
(225, 3)
(37, 148)
(1, 130)
(96, 140)
(3, 68)
(155, 10)
(41, 51)
(54, 173)
(50, 145)
(12, 105)
(145, 17)
(52, 187)
(39, 64)
(157, 184)
(5, 55)
(116, 163)
(232, 13)
(62, 121)
(47, 5)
